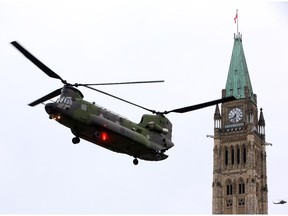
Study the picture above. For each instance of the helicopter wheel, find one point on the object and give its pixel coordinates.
(135, 161)
(75, 140)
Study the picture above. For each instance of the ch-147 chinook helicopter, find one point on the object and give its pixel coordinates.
(147, 140)
(280, 202)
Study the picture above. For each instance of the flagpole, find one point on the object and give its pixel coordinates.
(237, 21)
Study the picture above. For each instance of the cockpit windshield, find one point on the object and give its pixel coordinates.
(64, 102)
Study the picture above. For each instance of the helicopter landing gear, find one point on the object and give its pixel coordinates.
(75, 140)
(135, 161)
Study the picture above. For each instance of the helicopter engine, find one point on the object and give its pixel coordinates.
(157, 123)
(155, 127)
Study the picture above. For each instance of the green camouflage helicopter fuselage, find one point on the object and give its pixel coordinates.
(147, 140)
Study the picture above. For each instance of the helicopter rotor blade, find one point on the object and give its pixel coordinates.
(200, 106)
(38, 63)
(57, 92)
(89, 87)
(52, 74)
(122, 83)
(46, 97)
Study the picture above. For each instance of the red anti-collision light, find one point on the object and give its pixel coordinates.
(104, 136)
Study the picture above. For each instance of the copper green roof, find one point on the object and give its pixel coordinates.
(238, 75)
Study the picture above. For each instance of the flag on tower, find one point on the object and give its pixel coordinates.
(236, 16)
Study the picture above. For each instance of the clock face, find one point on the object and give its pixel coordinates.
(235, 115)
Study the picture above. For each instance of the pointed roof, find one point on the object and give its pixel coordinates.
(238, 82)
(261, 121)
(217, 114)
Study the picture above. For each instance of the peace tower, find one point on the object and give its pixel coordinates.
(239, 167)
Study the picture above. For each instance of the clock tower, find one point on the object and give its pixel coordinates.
(239, 167)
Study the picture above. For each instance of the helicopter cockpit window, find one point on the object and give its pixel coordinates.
(68, 101)
(64, 102)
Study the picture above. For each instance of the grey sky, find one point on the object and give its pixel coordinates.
(187, 43)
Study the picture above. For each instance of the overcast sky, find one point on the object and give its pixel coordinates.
(186, 43)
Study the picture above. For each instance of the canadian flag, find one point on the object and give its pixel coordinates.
(236, 16)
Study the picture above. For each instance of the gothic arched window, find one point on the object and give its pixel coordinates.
(229, 188)
(241, 186)
(238, 155)
(244, 154)
(226, 156)
(232, 155)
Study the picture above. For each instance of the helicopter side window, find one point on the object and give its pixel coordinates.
(84, 107)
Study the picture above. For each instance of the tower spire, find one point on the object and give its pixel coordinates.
(238, 82)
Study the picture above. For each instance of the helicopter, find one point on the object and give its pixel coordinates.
(147, 140)
(280, 202)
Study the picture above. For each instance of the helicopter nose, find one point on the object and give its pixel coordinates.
(49, 108)
(169, 144)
